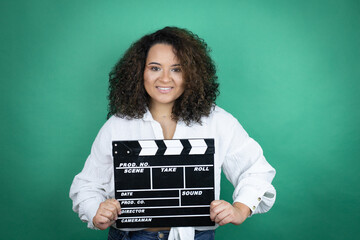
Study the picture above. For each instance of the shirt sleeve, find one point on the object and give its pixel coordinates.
(247, 169)
(92, 185)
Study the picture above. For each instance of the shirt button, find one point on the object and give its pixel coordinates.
(161, 235)
(259, 199)
(253, 207)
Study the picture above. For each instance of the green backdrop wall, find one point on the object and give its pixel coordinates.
(289, 71)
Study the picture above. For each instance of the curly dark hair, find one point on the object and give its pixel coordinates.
(127, 95)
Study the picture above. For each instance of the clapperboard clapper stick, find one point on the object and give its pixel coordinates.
(164, 183)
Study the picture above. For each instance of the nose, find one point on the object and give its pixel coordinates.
(166, 77)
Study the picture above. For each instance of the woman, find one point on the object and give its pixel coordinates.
(164, 87)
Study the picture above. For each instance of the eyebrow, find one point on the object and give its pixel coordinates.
(156, 63)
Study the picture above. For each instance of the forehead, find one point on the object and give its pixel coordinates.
(162, 53)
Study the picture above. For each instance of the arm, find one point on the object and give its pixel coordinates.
(249, 172)
(93, 184)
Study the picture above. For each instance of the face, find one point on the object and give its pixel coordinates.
(163, 78)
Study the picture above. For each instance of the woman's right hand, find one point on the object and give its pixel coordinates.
(107, 214)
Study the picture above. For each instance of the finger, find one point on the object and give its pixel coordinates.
(111, 207)
(216, 211)
(213, 212)
(109, 210)
(225, 220)
(212, 216)
(102, 222)
(215, 203)
(117, 205)
(218, 208)
(108, 214)
(222, 215)
(100, 219)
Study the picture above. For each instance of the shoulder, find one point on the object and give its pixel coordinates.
(127, 120)
(115, 123)
(112, 121)
(224, 122)
(221, 116)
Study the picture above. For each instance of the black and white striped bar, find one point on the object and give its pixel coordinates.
(164, 147)
(164, 183)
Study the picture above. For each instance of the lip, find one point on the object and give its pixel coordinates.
(164, 89)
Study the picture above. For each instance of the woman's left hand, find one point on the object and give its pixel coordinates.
(223, 212)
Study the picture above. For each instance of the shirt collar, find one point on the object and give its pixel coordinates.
(147, 116)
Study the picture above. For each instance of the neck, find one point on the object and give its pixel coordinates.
(159, 110)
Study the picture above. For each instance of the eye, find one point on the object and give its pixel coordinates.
(154, 68)
(176, 69)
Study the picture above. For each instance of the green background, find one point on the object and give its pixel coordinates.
(289, 71)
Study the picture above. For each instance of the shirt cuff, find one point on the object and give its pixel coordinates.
(87, 211)
(250, 197)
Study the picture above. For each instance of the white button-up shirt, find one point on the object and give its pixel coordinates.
(239, 156)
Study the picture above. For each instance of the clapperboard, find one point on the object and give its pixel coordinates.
(164, 183)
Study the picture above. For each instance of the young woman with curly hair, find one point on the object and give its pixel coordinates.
(165, 87)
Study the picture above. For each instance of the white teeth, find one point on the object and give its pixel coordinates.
(162, 88)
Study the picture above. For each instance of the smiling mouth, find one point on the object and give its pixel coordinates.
(164, 88)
